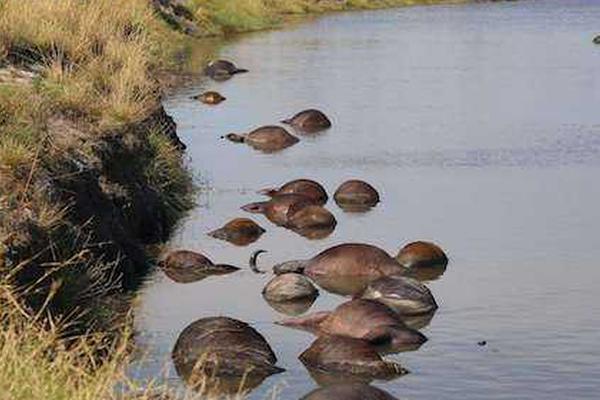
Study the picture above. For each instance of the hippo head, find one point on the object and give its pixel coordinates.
(234, 137)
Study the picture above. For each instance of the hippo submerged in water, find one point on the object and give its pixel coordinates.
(289, 287)
(225, 349)
(277, 208)
(348, 356)
(348, 391)
(304, 187)
(349, 259)
(184, 266)
(309, 121)
(362, 319)
(222, 69)
(425, 260)
(239, 231)
(404, 295)
(356, 195)
(268, 138)
(212, 98)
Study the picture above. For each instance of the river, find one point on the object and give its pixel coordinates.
(480, 126)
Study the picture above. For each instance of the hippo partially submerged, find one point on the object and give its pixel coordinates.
(184, 266)
(422, 255)
(309, 121)
(222, 69)
(223, 348)
(301, 217)
(349, 259)
(348, 391)
(597, 40)
(362, 319)
(356, 195)
(239, 231)
(212, 98)
(404, 295)
(289, 287)
(349, 356)
(305, 187)
(268, 138)
(276, 209)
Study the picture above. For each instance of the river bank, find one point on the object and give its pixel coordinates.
(92, 169)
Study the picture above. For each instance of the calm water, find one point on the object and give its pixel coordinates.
(480, 126)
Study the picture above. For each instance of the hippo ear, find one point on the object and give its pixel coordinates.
(268, 192)
(255, 208)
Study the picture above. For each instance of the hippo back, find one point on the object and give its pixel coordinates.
(278, 207)
(227, 346)
(359, 318)
(355, 260)
(270, 138)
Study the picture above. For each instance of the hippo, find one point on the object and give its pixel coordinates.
(302, 217)
(222, 69)
(211, 98)
(276, 209)
(184, 266)
(309, 121)
(239, 231)
(305, 187)
(289, 287)
(422, 255)
(597, 40)
(348, 259)
(404, 295)
(348, 391)
(356, 195)
(349, 356)
(226, 349)
(362, 319)
(268, 138)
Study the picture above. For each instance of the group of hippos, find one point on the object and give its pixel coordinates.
(388, 303)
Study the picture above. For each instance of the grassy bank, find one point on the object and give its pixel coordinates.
(91, 172)
(223, 16)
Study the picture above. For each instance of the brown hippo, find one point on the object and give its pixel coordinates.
(222, 69)
(356, 195)
(185, 266)
(362, 319)
(404, 295)
(422, 255)
(268, 138)
(350, 356)
(309, 121)
(349, 259)
(305, 187)
(239, 231)
(348, 391)
(276, 209)
(289, 287)
(211, 98)
(301, 217)
(223, 348)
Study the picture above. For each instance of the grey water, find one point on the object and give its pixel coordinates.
(480, 126)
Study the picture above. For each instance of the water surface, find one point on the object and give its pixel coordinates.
(479, 124)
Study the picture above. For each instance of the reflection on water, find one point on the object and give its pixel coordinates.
(479, 126)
